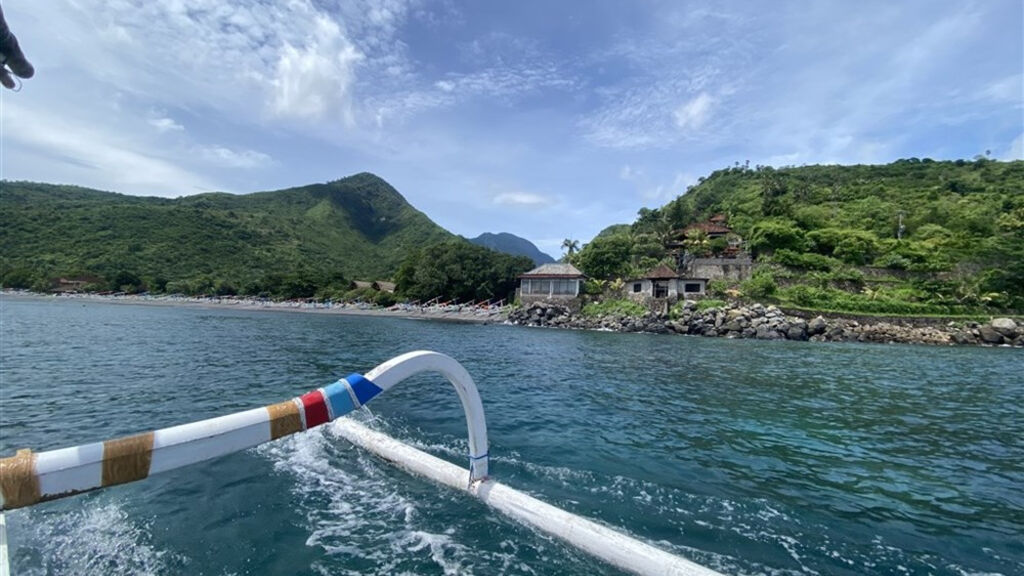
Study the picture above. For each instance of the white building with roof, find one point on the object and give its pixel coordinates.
(555, 282)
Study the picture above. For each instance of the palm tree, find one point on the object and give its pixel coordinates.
(571, 246)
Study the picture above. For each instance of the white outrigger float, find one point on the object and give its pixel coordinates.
(30, 478)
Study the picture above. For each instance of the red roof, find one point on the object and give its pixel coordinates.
(708, 228)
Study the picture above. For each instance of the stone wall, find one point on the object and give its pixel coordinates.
(736, 269)
(770, 323)
(570, 302)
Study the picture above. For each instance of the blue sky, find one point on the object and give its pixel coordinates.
(545, 119)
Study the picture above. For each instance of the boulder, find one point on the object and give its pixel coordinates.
(817, 326)
(797, 331)
(732, 326)
(989, 335)
(1005, 326)
(962, 338)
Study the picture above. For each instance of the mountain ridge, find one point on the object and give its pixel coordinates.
(508, 243)
(357, 227)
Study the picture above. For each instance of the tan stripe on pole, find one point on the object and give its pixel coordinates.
(18, 480)
(284, 419)
(127, 459)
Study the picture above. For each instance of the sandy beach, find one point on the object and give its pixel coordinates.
(443, 313)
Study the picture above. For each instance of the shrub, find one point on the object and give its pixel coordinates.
(385, 299)
(893, 260)
(761, 285)
(709, 303)
(594, 286)
(806, 261)
(770, 235)
(807, 296)
(853, 246)
(718, 288)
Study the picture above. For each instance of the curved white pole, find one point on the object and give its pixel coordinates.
(603, 542)
(399, 368)
(28, 478)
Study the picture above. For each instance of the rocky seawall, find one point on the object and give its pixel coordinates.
(771, 323)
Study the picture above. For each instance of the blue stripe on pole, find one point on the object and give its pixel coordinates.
(364, 389)
(339, 398)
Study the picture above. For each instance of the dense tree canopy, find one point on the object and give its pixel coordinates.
(458, 269)
(606, 256)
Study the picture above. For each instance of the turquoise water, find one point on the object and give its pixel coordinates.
(750, 457)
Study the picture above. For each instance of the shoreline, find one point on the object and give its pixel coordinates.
(452, 313)
(760, 322)
(734, 321)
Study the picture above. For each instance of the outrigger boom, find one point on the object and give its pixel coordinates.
(29, 478)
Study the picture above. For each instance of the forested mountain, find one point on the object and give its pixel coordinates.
(512, 244)
(318, 235)
(915, 235)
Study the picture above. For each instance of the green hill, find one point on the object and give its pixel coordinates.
(830, 237)
(354, 228)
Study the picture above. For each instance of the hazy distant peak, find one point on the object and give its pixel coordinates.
(512, 244)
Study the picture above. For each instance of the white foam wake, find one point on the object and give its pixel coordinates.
(95, 539)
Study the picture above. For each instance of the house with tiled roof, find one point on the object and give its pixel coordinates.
(664, 284)
(556, 282)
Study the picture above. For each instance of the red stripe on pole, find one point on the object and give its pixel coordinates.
(316, 410)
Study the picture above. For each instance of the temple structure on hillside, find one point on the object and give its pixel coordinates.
(710, 250)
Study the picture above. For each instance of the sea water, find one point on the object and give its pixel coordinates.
(749, 457)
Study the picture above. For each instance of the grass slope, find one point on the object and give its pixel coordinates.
(829, 237)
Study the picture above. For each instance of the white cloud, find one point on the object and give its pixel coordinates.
(689, 52)
(228, 158)
(629, 173)
(163, 125)
(521, 199)
(692, 115)
(661, 193)
(315, 81)
(244, 59)
(1016, 149)
(52, 144)
(1008, 89)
